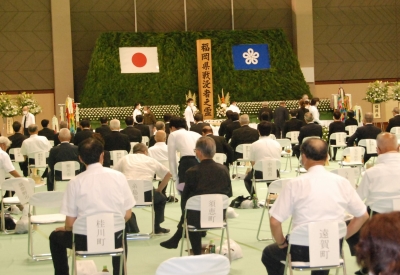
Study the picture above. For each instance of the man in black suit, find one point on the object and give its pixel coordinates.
(63, 152)
(395, 120)
(309, 130)
(63, 124)
(337, 126)
(281, 114)
(144, 129)
(46, 132)
(208, 177)
(265, 109)
(274, 129)
(225, 123)
(235, 124)
(167, 118)
(243, 135)
(221, 145)
(85, 133)
(116, 140)
(199, 124)
(103, 130)
(16, 142)
(293, 124)
(134, 134)
(368, 131)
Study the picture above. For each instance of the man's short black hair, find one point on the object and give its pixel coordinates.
(337, 114)
(189, 100)
(103, 119)
(16, 126)
(139, 118)
(167, 117)
(315, 149)
(198, 117)
(177, 122)
(85, 123)
(264, 127)
(350, 114)
(235, 116)
(90, 150)
(136, 104)
(314, 101)
(229, 113)
(45, 123)
(293, 112)
(264, 116)
(129, 120)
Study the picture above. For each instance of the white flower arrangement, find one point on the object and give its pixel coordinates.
(223, 103)
(377, 92)
(396, 91)
(8, 106)
(25, 99)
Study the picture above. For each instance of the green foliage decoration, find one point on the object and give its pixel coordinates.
(106, 86)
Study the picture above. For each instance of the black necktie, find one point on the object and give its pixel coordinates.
(25, 122)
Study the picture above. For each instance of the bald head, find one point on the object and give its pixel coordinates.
(308, 117)
(206, 130)
(160, 125)
(63, 124)
(386, 142)
(160, 136)
(368, 117)
(395, 110)
(64, 135)
(244, 120)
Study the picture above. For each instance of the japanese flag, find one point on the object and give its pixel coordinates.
(138, 60)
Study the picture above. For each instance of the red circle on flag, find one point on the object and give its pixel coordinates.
(139, 60)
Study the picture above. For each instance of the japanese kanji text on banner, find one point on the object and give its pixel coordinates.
(204, 68)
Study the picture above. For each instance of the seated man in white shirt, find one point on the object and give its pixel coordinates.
(139, 166)
(377, 187)
(315, 196)
(263, 148)
(97, 190)
(159, 151)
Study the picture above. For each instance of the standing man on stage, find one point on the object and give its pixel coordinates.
(189, 113)
(27, 119)
(233, 107)
(184, 142)
(136, 112)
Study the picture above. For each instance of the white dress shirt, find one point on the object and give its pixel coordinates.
(35, 144)
(317, 195)
(30, 119)
(380, 183)
(314, 111)
(98, 190)
(6, 165)
(189, 116)
(181, 141)
(159, 151)
(140, 167)
(233, 108)
(265, 147)
(136, 112)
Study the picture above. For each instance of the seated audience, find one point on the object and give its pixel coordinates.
(224, 124)
(103, 129)
(159, 126)
(265, 109)
(395, 120)
(85, 133)
(144, 129)
(308, 130)
(235, 124)
(337, 126)
(350, 120)
(63, 124)
(221, 145)
(293, 124)
(198, 124)
(116, 140)
(46, 132)
(243, 135)
(134, 134)
(16, 142)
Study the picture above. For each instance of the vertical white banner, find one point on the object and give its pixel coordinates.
(269, 169)
(341, 139)
(294, 136)
(117, 155)
(100, 232)
(67, 170)
(324, 243)
(211, 211)
(18, 157)
(371, 146)
(40, 159)
(137, 191)
(355, 154)
(246, 151)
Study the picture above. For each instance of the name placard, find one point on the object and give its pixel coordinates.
(67, 170)
(23, 191)
(211, 211)
(40, 159)
(246, 151)
(269, 169)
(100, 232)
(324, 243)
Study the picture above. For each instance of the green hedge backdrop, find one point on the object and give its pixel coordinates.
(106, 86)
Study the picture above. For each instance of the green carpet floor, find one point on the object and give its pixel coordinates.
(145, 255)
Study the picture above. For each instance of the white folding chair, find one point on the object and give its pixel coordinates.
(132, 145)
(395, 130)
(352, 174)
(16, 158)
(317, 137)
(299, 236)
(40, 161)
(116, 155)
(145, 140)
(219, 158)
(245, 150)
(269, 168)
(138, 188)
(215, 264)
(100, 251)
(293, 136)
(370, 145)
(194, 204)
(351, 129)
(275, 187)
(44, 200)
(8, 185)
(286, 152)
(384, 206)
(353, 156)
(340, 141)
(70, 168)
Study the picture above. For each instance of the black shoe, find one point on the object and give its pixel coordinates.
(203, 234)
(170, 244)
(162, 230)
